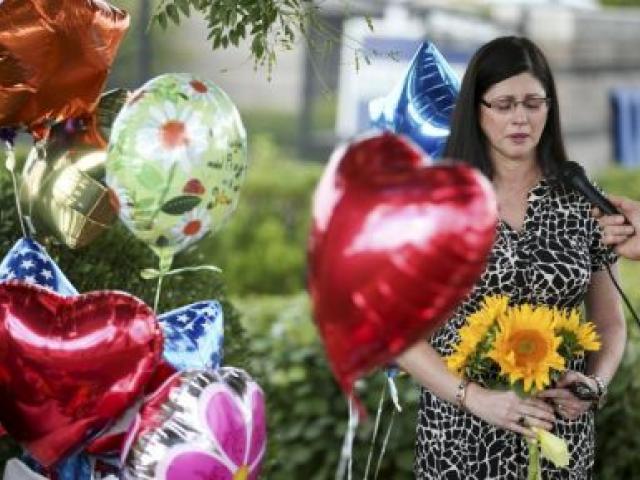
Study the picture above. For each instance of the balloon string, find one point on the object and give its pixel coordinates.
(393, 391)
(346, 455)
(10, 164)
(385, 443)
(375, 432)
(152, 273)
(156, 301)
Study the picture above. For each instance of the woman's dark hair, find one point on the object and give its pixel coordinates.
(494, 62)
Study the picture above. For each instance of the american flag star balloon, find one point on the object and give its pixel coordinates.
(29, 262)
(193, 336)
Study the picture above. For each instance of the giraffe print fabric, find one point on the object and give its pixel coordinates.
(550, 261)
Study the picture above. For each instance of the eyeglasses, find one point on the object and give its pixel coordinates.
(509, 104)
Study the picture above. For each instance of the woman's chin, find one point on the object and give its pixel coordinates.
(520, 152)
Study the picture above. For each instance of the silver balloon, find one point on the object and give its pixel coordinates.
(200, 424)
(16, 470)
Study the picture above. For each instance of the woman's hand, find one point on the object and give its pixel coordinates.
(505, 409)
(567, 404)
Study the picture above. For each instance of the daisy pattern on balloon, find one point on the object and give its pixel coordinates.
(174, 135)
(191, 227)
(236, 428)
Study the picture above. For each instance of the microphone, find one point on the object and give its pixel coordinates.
(572, 175)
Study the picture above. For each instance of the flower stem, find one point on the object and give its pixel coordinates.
(534, 472)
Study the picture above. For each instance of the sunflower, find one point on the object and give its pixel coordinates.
(525, 346)
(583, 335)
(475, 330)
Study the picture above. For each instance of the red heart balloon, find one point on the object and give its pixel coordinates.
(395, 245)
(69, 366)
(110, 443)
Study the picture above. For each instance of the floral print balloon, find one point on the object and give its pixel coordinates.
(200, 425)
(177, 158)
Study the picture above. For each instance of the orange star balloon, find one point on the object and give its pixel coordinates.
(54, 58)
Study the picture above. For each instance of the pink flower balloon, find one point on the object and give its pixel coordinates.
(207, 425)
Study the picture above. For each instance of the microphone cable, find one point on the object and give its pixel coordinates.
(573, 176)
(624, 297)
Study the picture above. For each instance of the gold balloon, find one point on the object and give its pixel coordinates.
(61, 193)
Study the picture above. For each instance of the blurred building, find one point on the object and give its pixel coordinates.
(592, 51)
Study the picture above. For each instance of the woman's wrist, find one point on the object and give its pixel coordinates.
(471, 397)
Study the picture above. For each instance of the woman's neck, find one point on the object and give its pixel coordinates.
(516, 174)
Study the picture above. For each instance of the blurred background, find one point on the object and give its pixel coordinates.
(315, 97)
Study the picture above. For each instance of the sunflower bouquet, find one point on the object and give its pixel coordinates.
(524, 348)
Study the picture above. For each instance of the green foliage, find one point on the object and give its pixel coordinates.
(125, 72)
(280, 127)
(620, 181)
(263, 248)
(307, 413)
(620, 3)
(270, 25)
(617, 425)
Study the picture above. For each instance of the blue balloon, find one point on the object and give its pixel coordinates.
(29, 261)
(193, 336)
(420, 106)
(75, 467)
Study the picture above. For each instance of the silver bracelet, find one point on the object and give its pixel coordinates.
(602, 391)
(461, 393)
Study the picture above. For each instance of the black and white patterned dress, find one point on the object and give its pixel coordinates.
(549, 261)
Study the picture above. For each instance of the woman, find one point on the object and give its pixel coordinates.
(548, 250)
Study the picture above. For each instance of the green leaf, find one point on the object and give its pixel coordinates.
(288, 32)
(183, 5)
(180, 205)
(172, 11)
(234, 38)
(369, 22)
(162, 20)
(257, 47)
(241, 30)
